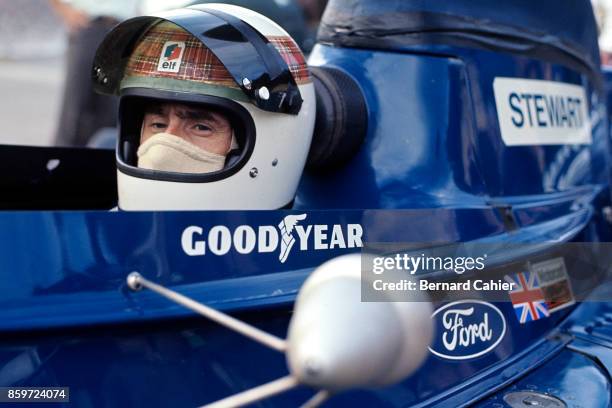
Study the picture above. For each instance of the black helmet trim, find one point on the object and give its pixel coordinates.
(253, 62)
(129, 136)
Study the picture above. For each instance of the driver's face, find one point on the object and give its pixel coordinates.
(202, 127)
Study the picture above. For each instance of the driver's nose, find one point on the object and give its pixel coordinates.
(174, 126)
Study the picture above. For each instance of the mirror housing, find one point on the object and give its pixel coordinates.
(337, 342)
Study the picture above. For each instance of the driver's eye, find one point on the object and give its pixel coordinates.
(158, 125)
(202, 128)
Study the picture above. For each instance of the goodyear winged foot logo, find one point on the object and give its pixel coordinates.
(287, 235)
(286, 227)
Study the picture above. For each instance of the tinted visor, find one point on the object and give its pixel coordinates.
(253, 62)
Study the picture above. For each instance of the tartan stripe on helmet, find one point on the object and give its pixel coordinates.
(293, 56)
(198, 62)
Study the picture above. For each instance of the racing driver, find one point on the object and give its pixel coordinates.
(216, 109)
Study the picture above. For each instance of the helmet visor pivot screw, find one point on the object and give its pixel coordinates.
(263, 93)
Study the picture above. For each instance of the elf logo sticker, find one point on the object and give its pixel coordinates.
(245, 239)
(171, 56)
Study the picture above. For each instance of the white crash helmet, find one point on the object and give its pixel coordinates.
(233, 60)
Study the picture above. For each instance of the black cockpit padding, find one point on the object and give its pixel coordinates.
(57, 178)
(341, 120)
(541, 29)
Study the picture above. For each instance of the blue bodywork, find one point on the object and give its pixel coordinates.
(433, 168)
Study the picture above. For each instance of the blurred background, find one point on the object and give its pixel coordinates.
(603, 15)
(46, 49)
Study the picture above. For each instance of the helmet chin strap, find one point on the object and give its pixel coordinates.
(234, 143)
(233, 154)
(142, 126)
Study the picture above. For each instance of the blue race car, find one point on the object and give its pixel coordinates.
(438, 124)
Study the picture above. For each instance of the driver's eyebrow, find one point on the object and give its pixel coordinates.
(196, 114)
(155, 109)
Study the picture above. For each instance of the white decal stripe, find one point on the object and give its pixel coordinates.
(537, 112)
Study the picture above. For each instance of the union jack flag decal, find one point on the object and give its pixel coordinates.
(527, 297)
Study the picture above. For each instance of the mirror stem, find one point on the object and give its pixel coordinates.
(136, 282)
(256, 394)
(317, 399)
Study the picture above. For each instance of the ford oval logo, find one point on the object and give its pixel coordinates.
(467, 329)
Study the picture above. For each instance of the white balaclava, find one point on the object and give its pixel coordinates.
(167, 152)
